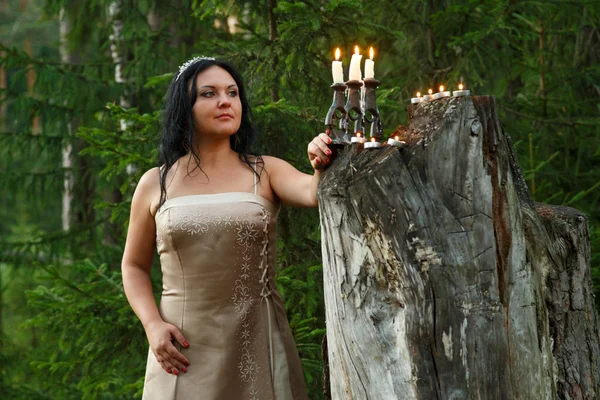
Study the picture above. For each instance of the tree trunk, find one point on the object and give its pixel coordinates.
(67, 151)
(443, 280)
(119, 56)
(3, 87)
(79, 184)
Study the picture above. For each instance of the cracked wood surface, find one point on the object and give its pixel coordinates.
(435, 287)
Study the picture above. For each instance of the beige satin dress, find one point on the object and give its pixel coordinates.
(217, 255)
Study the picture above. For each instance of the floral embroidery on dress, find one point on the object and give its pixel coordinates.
(246, 266)
(194, 224)
(249, 368)
(247, 235)
(253, 394)
(241, 298)
(228, 220)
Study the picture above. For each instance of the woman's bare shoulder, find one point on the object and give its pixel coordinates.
(272, 162)
(147, 191)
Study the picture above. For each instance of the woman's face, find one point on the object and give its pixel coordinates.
(218, 109)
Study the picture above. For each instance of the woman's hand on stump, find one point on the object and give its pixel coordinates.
(319, 153)
(161, 336)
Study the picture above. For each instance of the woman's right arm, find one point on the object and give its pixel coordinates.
(135, 267)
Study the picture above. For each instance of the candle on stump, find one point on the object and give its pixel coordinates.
(461, 92)
(441, 93)
(336, 68)
(417, 99)
(370, 66)
(358, 138)
(373, 144)
(354, 74)
(428, 96)
(396, 141)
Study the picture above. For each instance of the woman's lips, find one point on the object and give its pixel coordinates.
(225, 116)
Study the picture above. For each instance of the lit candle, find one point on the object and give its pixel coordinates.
(441, 93)
(358, 138)
(372, 144)
(461, 92)
(396, 142)
(336, 68)
(355, 66)
(417, 99)
(370, 66)
(428, 96)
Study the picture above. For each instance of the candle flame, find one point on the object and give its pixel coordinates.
(337, 54)
(356, 49)
(430, 91)
(418, 94)
(371, 53)
(460, 86)
(441, 88)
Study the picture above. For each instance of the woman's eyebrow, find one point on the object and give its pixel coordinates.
(214, 87)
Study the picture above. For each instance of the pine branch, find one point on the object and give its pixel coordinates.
(586, 121)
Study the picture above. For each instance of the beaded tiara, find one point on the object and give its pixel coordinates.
(186, 64)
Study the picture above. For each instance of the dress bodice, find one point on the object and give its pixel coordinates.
(217, 255)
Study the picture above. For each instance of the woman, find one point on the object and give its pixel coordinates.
(220, 331)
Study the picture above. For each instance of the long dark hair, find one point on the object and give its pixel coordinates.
(178, 124)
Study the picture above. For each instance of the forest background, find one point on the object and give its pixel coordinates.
(81, 90)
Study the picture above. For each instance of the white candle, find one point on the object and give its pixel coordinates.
(355, 66)
(358, 138)
(396, 142)
(461, 92)
(336, 68)
(417, 99)
(428, 96)
(372, 144)
(441, 93)
(370, 66)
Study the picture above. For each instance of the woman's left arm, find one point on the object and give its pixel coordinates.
(295, 188)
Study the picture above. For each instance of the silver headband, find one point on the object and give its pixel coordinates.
(186, 64)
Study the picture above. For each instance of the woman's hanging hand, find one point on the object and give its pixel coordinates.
(160, 337)
(319, 153)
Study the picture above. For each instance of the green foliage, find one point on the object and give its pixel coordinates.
(95, 344)
(73, 335)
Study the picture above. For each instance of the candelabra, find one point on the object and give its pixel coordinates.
(340, 118)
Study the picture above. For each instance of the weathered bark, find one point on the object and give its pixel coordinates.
(573, 320)
(440, 276)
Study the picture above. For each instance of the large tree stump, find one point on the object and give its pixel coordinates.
(443, 280)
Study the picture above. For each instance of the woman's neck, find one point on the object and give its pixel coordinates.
(214, 154)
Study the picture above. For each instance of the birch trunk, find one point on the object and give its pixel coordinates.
(442, 280)
(79, 183)
(118, 54)
(67, 152)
